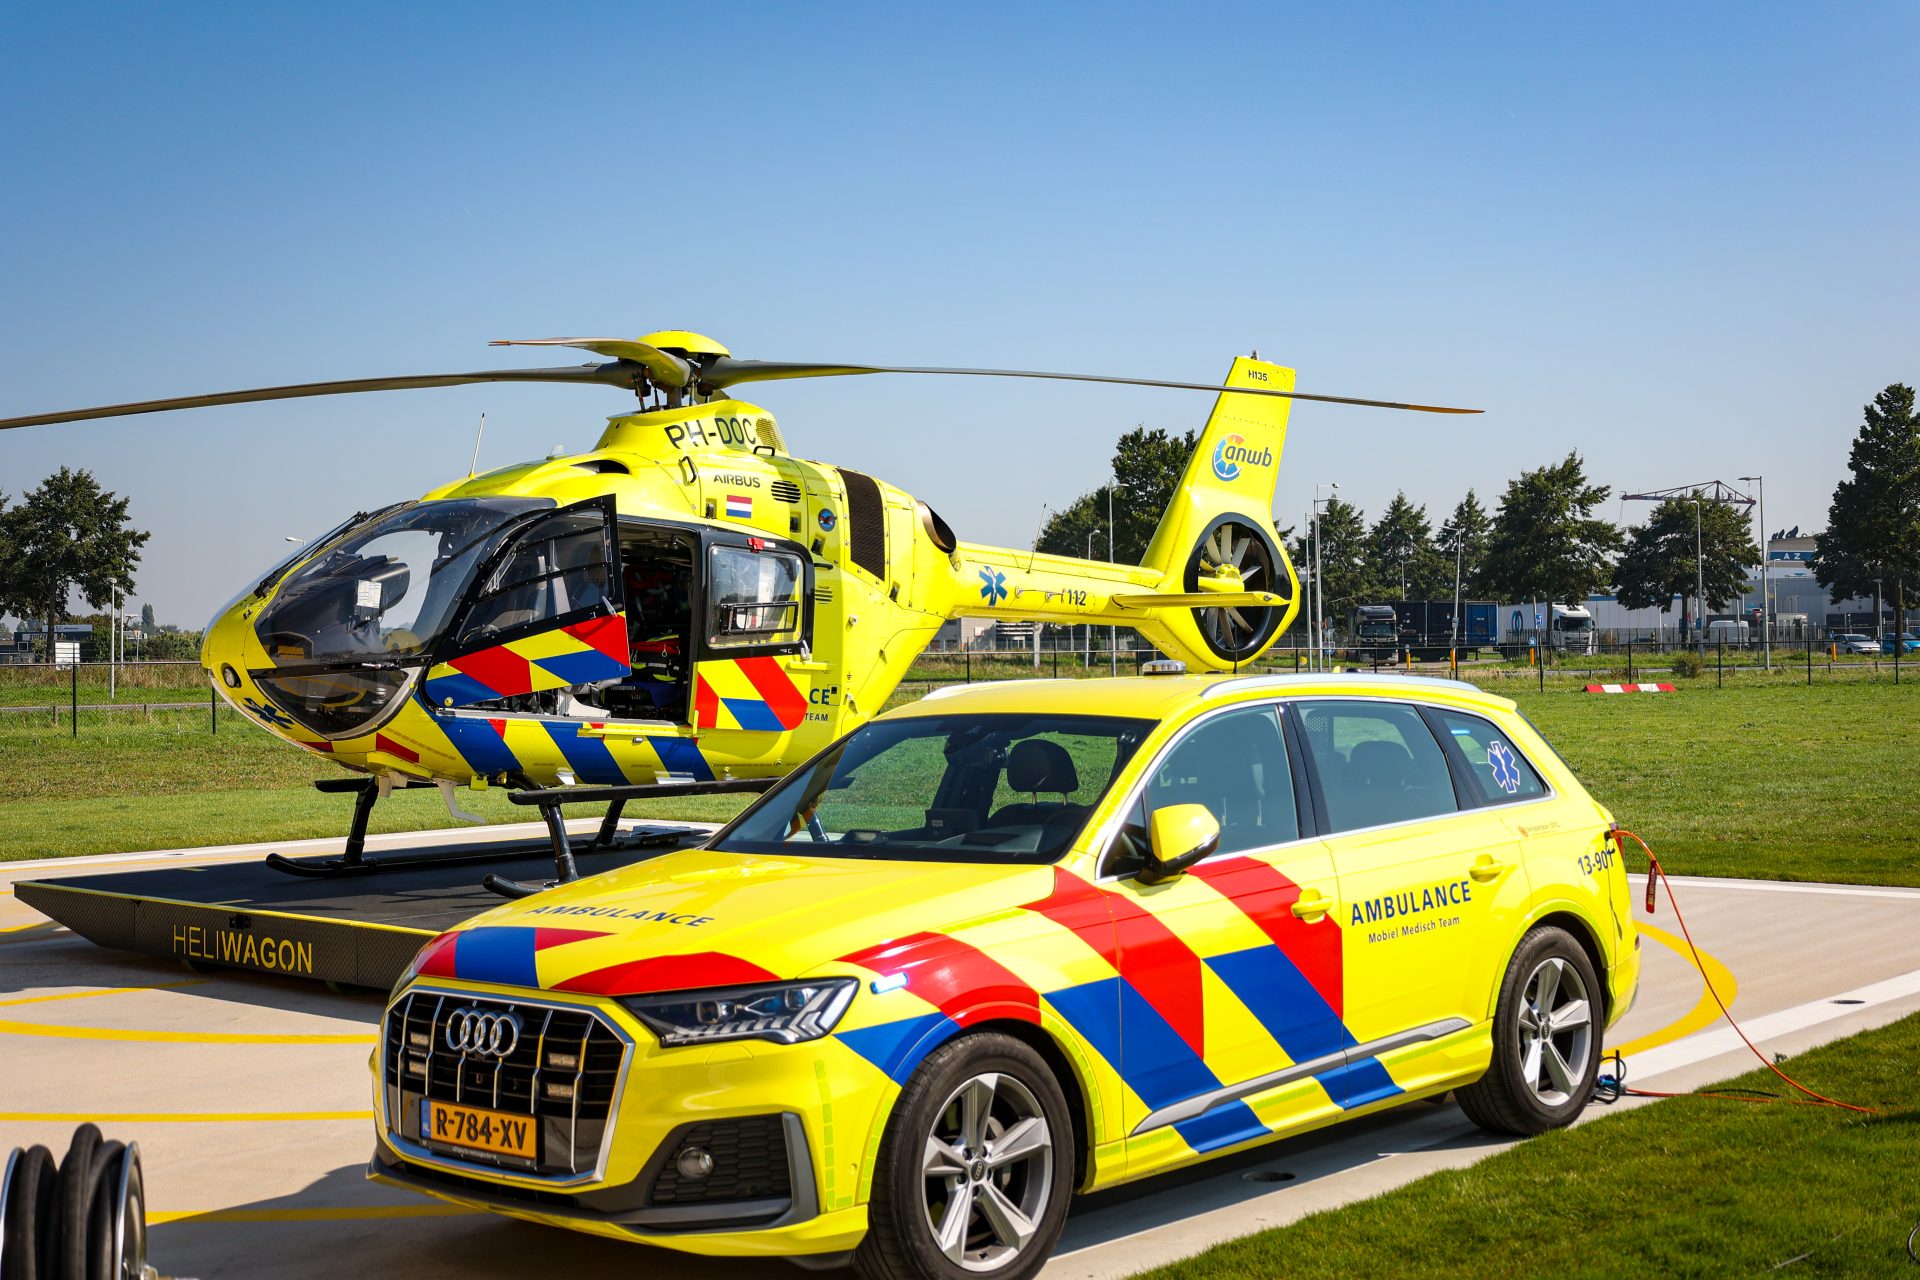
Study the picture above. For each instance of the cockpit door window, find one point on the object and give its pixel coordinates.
(546, 613)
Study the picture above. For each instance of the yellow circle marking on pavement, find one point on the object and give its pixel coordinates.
(12, 1028)
(91, 992)
(176, 1117)
(1717, 977)
(134, 1035)
(364, 1213)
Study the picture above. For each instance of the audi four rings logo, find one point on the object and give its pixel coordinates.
(482, 1035)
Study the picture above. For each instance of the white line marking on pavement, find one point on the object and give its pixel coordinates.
(1787, 886)
(1711, 1044)
(457, 835)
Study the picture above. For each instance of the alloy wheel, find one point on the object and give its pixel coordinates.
(988, 1170)
(1555, 1031)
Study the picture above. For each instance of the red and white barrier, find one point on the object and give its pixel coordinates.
(1629, 688)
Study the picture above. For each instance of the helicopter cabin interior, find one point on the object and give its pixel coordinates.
(689, 593)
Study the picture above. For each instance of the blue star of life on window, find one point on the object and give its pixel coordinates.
(1506, 770)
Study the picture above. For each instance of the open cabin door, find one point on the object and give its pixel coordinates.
(546, 620)
(756, 620)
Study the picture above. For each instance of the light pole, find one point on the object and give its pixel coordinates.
(1089, 625)
(1697, 494)
(1459, 562)
(1311, 578)
(1766, 594)
(1319, 581)
(1113, 632)
(1699, 578)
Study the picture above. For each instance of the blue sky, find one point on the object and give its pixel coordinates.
(1678, 238)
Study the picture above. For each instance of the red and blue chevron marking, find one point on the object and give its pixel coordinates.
(502, 671)
(1148, 1021)
(963, 983)
(481, 743)
(503, 954)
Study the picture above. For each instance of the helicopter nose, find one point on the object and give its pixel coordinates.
(221, 655)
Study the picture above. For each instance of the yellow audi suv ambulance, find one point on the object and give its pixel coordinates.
(1016, 941)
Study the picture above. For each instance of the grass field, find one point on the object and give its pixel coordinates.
(1686, 1187)
(1767, 777)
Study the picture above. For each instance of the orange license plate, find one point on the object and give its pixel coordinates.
(444, 1124)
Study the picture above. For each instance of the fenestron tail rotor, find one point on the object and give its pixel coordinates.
(1236, 555)
(678, 365)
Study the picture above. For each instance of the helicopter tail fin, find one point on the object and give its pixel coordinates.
(1220, 522)
(1233, 468)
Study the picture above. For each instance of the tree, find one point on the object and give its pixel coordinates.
(1546, 543)
(1463, 538)
(1400, 547)
(1346, 568)
(146, 619)
(69, 534)
(1148, 465)
(1660, 561)
(1873, 522)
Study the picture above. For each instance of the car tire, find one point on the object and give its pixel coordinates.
(76, 1193)
(945, 1207)
(32, 1223)
(1546, 1039)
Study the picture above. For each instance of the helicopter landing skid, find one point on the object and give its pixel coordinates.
(353, 861)
(552, 800)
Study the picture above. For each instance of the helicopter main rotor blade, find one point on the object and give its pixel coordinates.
(616, 374)
(726, 372)
(665, 369)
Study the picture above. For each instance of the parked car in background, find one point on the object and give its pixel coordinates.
(1729, 631)
(1908, 642)
(1852, 642)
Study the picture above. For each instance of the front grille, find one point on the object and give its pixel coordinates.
(564, 1072)
(749, 1162)
(785, 490)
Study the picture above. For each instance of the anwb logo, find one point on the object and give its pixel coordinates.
(1232, 451)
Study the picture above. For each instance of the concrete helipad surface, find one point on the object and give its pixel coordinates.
(250, 1097)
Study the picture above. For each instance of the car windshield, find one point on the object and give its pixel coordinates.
(951, 788)
(387, 587)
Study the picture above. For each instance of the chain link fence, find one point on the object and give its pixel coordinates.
(69, 697)
(82, 697)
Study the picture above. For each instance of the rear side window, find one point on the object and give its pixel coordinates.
(1500, 774)
(1377, 763)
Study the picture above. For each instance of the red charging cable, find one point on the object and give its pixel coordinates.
(1657, 875)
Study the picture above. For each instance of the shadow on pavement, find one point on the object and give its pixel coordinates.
(330, 1229)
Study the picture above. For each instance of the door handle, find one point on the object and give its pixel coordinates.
(1312, 905)
(1487, 867)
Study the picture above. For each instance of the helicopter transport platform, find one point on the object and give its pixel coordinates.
(249, 1095)
(229, 908)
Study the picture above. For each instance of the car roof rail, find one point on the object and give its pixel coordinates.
(1359, 679)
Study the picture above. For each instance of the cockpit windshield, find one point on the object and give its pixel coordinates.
(386, 588)
(953, 788)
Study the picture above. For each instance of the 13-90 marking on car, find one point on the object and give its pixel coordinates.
(1015, 942)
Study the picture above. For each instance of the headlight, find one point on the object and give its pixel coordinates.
(783, 1012)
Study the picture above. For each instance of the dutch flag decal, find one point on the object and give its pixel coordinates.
(739, 506)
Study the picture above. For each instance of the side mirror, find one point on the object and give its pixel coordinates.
(1180, 835)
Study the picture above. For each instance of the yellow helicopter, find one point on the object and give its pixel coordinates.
(688, 605)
